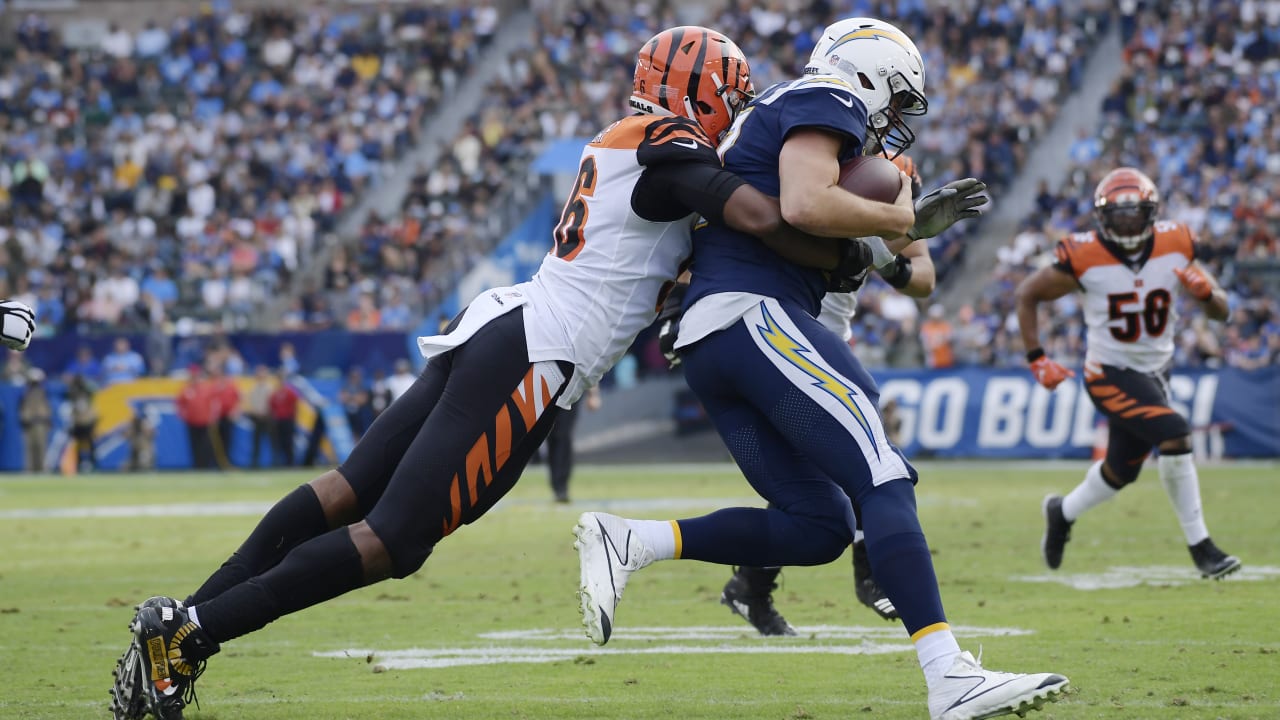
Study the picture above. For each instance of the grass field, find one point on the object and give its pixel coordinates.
(489, 628)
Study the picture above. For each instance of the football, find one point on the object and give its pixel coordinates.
(871, 177)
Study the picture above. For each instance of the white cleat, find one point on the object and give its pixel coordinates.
(608, 552)
(970, 692)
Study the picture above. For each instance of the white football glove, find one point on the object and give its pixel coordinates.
(17, 324)
(944, 207)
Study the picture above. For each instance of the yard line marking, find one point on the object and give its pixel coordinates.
(1126, 576)
(723, 640)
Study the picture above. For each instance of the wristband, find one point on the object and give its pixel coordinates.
(901, 274)
(1034, 355)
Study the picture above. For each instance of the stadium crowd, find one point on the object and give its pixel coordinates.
(186, 173)
(182, 173)
(1195, 108)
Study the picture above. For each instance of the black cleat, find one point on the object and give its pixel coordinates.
(1057, 531)
(749, 594)
(174, 651)
(865, 586)
(128, 694)
(1212, 562)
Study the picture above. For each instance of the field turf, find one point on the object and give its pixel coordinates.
(490, 628)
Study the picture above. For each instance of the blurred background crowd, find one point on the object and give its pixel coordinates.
(189, 176)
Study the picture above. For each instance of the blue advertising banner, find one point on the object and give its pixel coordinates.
(1006, 414)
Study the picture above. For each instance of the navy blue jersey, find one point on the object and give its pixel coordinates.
(725, 260)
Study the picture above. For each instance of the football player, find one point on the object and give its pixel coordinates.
(454, 443)
(17, 324)
(1128, 269)
(749, 593)
(790, 400)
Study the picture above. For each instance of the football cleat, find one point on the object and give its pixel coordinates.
(1212, 562)
(128, 696)
(865, 587)
(970, 692)
(749, 594)
(1057, 531)
(128, 702)
(608, 552)
(174, 650)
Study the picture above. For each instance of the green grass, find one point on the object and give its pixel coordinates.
(1192, 650)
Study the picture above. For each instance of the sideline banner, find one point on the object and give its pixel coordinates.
(1004, 413)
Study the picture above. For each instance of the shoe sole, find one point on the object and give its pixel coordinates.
(128, 702)
(1044, 539)
(1039, 698)
(594, 621)
(1234, 566)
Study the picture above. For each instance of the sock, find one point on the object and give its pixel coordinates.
(1092, 491)
(1182, 484)
(317, 570)
(899, 555)
(661, 536)
(296, 518)
(936, 649)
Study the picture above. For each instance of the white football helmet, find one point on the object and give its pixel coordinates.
(884, 67)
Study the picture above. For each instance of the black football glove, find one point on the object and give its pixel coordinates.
(855, 262)
(944, 207)
(669, 323)
(17, 324)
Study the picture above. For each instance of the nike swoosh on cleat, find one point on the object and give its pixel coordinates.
(844, 100)
(981, 681)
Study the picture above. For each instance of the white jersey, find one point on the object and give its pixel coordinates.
(611, 266)
(837, 311)
(1128, 303)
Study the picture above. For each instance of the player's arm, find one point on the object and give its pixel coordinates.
(812, 200)
(912, 271)
(722, 197)
(1044, 285)
(1203, 287)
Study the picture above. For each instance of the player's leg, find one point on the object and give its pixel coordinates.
(818, 396)
(337, 497)
(492, 402)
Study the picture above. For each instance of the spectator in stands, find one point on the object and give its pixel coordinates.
(122, 364)
(365, 316)
(85, 366)
(936, 335)
(35, 415)
(289, 365)
(258, 410)
(379, 394)
(196, 409)
(84, 419)
(401, 379)
(283, 405)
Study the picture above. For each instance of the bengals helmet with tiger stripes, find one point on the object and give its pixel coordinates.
(695, 72)
(1125, 205)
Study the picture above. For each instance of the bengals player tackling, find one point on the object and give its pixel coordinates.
(1128, 269)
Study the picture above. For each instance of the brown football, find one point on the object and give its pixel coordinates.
(873, 178)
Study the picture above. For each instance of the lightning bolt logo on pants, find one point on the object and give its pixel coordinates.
(798, 355)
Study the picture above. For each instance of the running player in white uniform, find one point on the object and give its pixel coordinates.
(449, 448)
(1128, 270)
